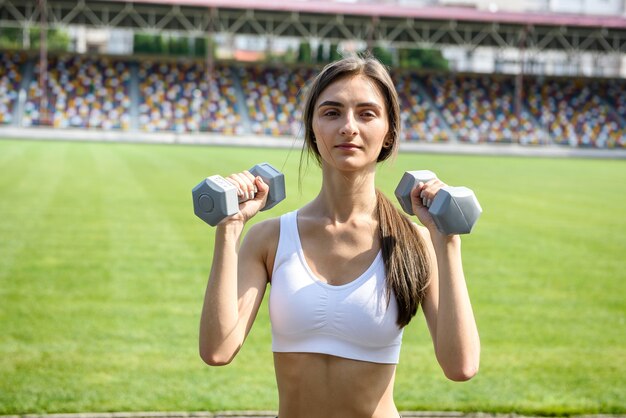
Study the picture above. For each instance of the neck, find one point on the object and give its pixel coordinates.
(345, 195)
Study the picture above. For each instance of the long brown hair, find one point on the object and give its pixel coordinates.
(404, 252)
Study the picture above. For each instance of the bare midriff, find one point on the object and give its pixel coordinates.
(312, 385)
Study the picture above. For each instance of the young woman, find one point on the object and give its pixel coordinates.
(347, 271)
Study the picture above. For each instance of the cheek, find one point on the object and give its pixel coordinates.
(319, 127)
(315, 127)
(320, 132)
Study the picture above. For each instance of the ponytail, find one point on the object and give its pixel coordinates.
(405, 257)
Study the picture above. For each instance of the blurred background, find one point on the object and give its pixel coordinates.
(531, 72)
(111, 111)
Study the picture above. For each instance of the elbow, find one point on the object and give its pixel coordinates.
(215, 358)
(462, 373)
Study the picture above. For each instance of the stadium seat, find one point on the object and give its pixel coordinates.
(10, 79)
(81, 92)
(481, 108)
(273, 98)
(420, 121)
(179, 97)
(574, 113)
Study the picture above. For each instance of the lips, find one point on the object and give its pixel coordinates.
(347, 146)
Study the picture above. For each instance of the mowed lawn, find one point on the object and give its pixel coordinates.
(103, 267)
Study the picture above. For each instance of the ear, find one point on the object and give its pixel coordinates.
(388, 141)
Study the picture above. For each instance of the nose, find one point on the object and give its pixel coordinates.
(349, 128)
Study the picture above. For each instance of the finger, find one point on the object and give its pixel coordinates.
(244, 186)
(252, 183)
(241, 187)
(247, 185)
(260, 185)
(233, 180)
(426, 194)
(262, 189)
(417, 194)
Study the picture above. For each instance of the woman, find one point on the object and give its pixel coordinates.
(348, 270)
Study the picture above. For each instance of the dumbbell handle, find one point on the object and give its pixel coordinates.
(226, 185)
(215, 198)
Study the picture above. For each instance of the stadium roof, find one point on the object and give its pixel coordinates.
(391, 24)
(406, 11)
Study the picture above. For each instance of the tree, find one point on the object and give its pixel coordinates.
(383, 55)
(304, 53)
(10, 38)
(56, 39)
(416, 58)
(320, 53)
(334, 52)
(146, 43)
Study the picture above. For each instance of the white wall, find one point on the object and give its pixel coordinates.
(594, 7)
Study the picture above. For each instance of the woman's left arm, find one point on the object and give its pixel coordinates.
(448, 310)
(446, 305)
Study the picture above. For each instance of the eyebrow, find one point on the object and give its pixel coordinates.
(338, 104)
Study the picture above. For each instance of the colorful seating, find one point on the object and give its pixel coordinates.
(10, 79)
(273, 98)
(420, 121)
(182, 97)
(573, 113)
(481, 108)
(80, 92)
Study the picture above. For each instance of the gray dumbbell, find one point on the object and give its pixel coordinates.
(454, 209)
(214, 198)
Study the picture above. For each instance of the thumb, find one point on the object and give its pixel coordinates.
(262, 188)
(416, 198)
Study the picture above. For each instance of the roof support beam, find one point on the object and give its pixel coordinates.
(394, 31)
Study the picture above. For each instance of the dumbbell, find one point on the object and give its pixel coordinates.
(455, 210)
(215, 198)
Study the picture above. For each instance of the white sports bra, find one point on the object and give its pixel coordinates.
(308, 315)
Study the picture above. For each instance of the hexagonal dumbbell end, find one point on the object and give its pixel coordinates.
(455, 210)
(214, 199)
(409, 181)
(273, 178)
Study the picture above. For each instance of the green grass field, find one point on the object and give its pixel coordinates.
(103, 267)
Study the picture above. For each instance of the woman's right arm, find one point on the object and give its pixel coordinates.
(237, 283)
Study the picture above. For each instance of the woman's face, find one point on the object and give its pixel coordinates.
(350, 123)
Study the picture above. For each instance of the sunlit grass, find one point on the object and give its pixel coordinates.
(103, 267)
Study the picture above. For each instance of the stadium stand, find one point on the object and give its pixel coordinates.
(10, 79)
(481, 108)
(615, 93)
(82, 92)
(176, 96)
(273, 98)
(420, 119)
(574, 112)
(108, 93)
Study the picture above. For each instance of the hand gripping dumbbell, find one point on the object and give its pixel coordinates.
(455, 210)
(215, 198)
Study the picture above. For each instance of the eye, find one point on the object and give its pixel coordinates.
(330, 113)
(368, 114)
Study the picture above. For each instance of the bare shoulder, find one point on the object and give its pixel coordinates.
(265, 231)
(261, 242)
(424, 233)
